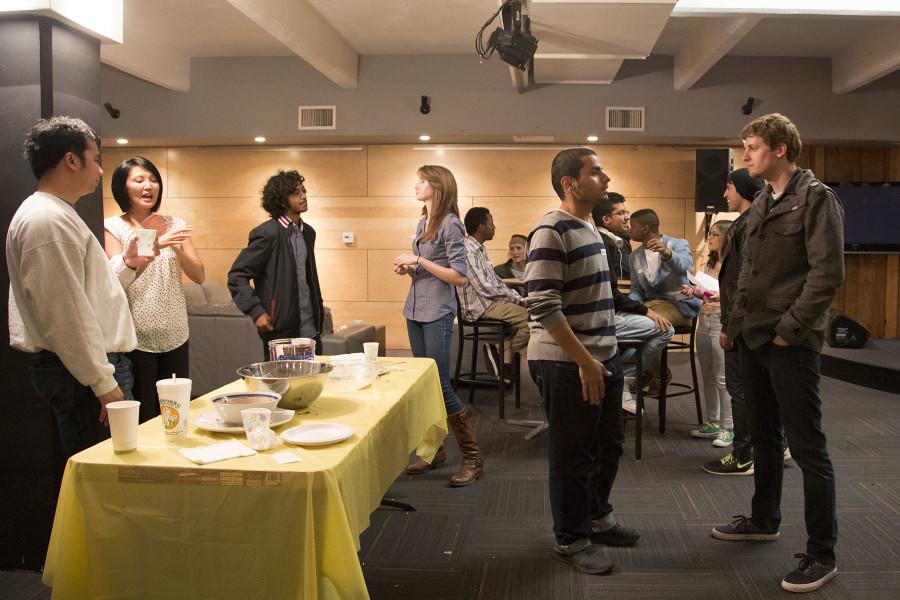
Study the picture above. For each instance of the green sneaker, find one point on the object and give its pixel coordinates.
(724, 439)
(729, 465)
(707, 430)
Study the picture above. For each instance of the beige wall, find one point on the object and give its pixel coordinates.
(369, 190)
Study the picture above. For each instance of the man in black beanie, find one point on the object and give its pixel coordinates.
(739, 194)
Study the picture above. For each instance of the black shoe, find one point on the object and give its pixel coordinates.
(729, 465)
(589, 560)
(743, 528)
(492, 359)
(617, 535)
(809, 576)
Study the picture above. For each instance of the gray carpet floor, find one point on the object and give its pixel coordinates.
(493, 540)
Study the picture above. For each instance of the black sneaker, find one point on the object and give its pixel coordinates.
(617, 535)
(729, 465)
(809, 576)
(492, 359)
(589, 560)
(743, 528)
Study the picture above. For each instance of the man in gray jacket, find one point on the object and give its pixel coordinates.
(792, 265)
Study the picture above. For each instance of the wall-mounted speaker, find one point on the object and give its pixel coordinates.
(712, 168)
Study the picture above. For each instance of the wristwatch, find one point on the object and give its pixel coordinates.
(666, 254)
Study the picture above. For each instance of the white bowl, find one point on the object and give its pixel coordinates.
(229, 406)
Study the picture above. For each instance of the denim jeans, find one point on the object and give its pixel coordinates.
(75, 406)
(712, 369)
(584, 446)
(640, 327)
(734, 382)
(782, 388)
(432, 340)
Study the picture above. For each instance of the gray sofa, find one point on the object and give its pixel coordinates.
(222, 338)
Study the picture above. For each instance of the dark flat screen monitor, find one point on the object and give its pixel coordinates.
(871, 218)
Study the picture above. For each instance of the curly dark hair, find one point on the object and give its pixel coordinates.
(277, 189)
(49, 140)
(120, 179)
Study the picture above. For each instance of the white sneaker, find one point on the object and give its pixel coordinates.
(787, 454)
(629, 404)
(491, 357)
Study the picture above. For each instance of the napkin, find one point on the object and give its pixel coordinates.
(343, 358)
(203, 455)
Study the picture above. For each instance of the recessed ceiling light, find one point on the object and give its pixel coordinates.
(425, 138)
(122, 141)
(592, 138)
(259, 139)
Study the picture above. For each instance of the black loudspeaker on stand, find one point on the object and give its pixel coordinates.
(844, 332)
(712, 168)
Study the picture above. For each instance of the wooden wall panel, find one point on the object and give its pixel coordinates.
(219, 223)
(893, 164)
(241, 172)
(342, 275)
(217, 263)
(479, 171)
(385, 223)
(369, 191)
(891, 296)
(384, 285)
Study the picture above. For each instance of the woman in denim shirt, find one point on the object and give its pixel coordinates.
(438, 263)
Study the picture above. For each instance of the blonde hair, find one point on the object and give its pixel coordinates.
(443, 184)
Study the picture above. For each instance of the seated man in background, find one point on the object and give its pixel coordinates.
(634, 320)
(659, 267)
(483, 294)
(514, 268)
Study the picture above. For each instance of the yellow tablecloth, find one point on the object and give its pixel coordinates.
(151, 524)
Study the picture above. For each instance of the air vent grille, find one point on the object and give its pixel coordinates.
(317, 117)
(625, 118)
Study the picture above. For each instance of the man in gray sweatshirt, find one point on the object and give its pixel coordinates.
(67, 305)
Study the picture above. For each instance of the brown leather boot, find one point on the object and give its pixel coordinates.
(472, 467)
(423, 466)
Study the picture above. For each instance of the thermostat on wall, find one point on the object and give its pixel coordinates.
(347, 237)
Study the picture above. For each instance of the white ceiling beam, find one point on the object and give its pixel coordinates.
(144, 57)
(844, 8)
(297, 25)
(703, 51)
(873, 58)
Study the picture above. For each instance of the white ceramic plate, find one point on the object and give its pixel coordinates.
(210, 421)
(317, 434)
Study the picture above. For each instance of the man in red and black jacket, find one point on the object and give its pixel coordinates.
(285, 300)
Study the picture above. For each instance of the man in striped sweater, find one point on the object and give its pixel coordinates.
(573, 357)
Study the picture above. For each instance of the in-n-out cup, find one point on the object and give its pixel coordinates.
(145, 239)
(174, 405)
(123, 424)
(256, 426)
(371, 351)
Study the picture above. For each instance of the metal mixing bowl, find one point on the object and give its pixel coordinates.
(298, 381)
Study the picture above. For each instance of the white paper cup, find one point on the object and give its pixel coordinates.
(256, 426)
(174, 405)
(145, 239)
(371, 351)
(123, 424)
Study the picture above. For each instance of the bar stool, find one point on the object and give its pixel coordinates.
(486, 331)
(691, 331)
(638, 416)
